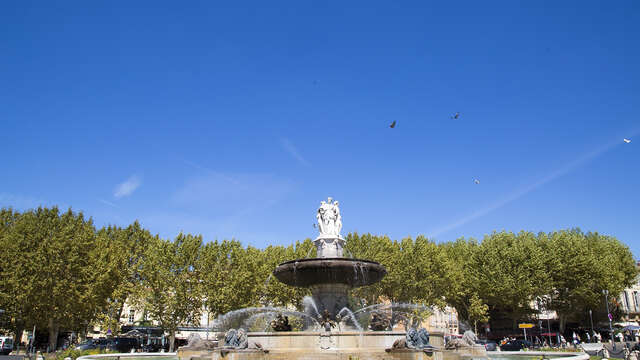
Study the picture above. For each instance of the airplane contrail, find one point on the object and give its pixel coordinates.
(529, 188)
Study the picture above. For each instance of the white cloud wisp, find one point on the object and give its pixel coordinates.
(527, 189)
(293, 151)
(128, 187)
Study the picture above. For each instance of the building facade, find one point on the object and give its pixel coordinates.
(629, 301)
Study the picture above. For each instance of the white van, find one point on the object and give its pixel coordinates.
(6, 345)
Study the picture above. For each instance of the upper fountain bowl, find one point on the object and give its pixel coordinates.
(318, 271)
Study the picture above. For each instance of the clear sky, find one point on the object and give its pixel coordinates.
(234, 119)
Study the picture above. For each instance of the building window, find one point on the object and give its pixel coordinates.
(635, 300)
(132, 315)
(626, 301)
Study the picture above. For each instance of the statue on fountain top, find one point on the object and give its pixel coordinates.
(329, 243)
(329, 219)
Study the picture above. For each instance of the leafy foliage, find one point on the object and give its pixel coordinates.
(171, 290)
(60, 272)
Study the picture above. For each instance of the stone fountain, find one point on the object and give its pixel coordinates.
(330, 276)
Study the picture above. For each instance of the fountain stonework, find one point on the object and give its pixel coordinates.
(330, 276)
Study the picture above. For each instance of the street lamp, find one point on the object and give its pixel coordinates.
(606, 301)
(540, 302)
(591, 318)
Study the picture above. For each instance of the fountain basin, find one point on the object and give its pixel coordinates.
(314, 340)
(345, 345)
(320, 271)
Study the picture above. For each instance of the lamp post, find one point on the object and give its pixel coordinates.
(591, 318)
(606, 301)
(207, 324)
(540, 302)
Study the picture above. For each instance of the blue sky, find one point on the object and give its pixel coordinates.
(235, 119)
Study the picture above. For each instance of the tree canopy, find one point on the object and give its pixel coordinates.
(60, 272)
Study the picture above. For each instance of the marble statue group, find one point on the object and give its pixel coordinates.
(329, 219)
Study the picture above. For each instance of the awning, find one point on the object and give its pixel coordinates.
(592, 349)
(134, 333)
(626, 323)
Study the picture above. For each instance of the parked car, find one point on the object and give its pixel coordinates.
(489, 345)
(87, 345)
(516, 345)
(123, 344)
(6, 345)
(154, 344)
(92, 344)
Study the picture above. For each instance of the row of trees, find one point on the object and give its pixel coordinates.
(60, 272)
(506, 275)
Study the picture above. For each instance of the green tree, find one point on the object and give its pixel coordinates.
(581, 266)
(171, 289)
(416, 269)
(462, 291)
(228, 276)
(510, 271)
(121, 261)
(52, 266)
(419, 272)
(14, 302)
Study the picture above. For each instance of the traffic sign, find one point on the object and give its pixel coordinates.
(610, 316)
(525, 326)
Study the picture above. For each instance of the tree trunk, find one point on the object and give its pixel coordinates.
(18, 336)
(118, 317)
(172, 339)
(53, 335)
(562, 322)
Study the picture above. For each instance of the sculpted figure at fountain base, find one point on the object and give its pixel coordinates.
(235, 339)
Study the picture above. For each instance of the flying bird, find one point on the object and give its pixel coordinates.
(626, 140)
(456, 115)
(476, 181)
(393, 124)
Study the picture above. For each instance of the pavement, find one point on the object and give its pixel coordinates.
(618, 353)
(11, 357)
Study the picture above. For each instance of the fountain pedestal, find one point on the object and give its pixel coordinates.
(330, 297)
(329, 246)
